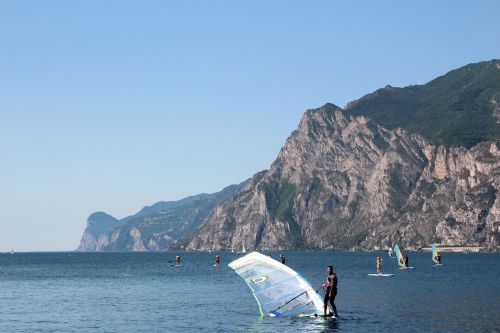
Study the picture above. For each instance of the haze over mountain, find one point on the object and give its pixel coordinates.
(153, 228)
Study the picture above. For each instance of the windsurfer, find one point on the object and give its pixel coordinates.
(331, 291)
(379, 265)
(437, 258)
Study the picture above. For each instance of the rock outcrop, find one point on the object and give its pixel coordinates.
(98, 225)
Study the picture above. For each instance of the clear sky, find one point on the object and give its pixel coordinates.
(113, 105)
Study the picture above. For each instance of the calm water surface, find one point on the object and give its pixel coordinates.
(141, 292)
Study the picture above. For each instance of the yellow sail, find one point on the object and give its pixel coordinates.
(399, 255)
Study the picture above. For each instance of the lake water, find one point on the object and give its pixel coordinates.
(141, 292)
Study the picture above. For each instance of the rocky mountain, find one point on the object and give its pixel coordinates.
(411, 165)
(98, 224)
(153, 228)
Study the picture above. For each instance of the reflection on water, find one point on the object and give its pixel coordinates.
(293, 324)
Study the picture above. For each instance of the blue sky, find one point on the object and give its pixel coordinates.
(113, 105)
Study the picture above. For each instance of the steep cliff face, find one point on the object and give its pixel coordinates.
(344, 181)
(153, 228)
(98, 224)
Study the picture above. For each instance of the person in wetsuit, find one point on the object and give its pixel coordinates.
(438, 258)
(178, 260)
(331, 290)
(406, 261)
(283, 259)
(217, 260)
(379, 265)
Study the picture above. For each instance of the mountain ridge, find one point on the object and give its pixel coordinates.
(153, 228)
(455, 109)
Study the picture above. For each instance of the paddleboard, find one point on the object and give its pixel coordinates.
(330, 315)
(175, 265)
(406, 267)
(381, 274)
(215, 265)
(437, 265)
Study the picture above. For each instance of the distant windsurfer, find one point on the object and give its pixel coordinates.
(283, 259)
(331, 291)
(437, 258)
(178, 260)
(379, 265)
(406, 261)
(217, 260)
(390, 252)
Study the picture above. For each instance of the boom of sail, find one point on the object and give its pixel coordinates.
(278, 289)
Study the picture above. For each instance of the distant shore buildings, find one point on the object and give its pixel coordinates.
(445, 248)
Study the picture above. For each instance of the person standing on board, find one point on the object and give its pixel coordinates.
(406, 261)
(437, 257)
(283, 259)
(217, 260)
(379, 265)
(178, 260)
(331, 290)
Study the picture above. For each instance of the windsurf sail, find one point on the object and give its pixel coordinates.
(399, 255)
(434, 253)
(242, 250)
(278, 289)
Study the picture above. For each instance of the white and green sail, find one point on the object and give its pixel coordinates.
(278, 289)
(434, 253)
(399, 256)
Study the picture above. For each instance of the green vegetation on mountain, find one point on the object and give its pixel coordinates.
(457, 109)
(280, 203)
